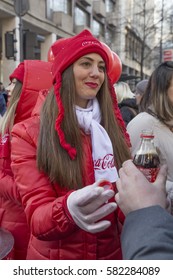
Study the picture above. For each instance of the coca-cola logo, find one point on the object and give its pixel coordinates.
(86, 43)
(104, 163)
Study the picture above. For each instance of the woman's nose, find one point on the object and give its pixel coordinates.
(8, 88)
(94, 71)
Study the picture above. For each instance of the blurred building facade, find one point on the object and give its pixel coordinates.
(114, 22)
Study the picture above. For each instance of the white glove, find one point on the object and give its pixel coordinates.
(89, 205)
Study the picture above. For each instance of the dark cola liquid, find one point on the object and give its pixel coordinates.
(148, 164)
(147, 160)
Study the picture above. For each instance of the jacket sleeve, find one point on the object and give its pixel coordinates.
(46, 213)
(148, 235)
(8, 188)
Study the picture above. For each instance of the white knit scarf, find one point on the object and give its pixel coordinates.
(102, 151)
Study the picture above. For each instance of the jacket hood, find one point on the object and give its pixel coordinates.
(40, 100)
(37, 76)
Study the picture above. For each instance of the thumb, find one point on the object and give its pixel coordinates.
(161, 177)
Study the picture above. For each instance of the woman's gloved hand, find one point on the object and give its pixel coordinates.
(89, 205)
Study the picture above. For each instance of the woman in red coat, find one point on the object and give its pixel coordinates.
(22, 96)
(61, 159)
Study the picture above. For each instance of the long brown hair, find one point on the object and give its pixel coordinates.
(155, 100)
(7, 121)
(51, 157)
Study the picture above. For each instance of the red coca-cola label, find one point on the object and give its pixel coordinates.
(150, 173)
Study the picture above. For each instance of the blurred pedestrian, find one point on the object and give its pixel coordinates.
(126, 101)
(140, 90)
(3, 95)
(25, 82)
(157, 115)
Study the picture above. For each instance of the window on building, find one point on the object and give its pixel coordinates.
(97, 28)
(64, 6)
(59, 6)
(109, 36)
(110, 5)
(127, 45)
(81, 17)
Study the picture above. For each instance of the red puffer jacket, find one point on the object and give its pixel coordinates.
(12, 216)
(54, 235)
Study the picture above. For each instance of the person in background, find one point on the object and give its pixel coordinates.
(140, 90)
(126, 101)
(157, 115)
(73, 151)
(148, 228)
(2, 100)
(25, 83)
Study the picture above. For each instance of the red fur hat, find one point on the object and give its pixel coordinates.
(18, 73)
(66, 52)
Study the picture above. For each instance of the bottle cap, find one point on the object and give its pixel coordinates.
(106, 184)
(147, 134)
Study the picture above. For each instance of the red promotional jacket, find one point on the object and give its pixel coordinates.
(54, 235)
(12, 217)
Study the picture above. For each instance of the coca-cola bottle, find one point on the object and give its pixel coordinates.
(147, 158)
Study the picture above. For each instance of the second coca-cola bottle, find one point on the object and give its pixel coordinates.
(147, 158)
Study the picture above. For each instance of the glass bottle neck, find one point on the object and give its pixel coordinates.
(147, 146)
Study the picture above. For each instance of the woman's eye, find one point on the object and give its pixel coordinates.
(102, 68)
(86, 64)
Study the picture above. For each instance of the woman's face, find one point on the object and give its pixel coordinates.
(170, 91)
(138, 98)
(89, 75)
(10, 88)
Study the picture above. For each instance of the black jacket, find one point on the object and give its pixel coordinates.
(129, 109)
(148, 235)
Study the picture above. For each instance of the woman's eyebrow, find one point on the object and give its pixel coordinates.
(91, 59)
